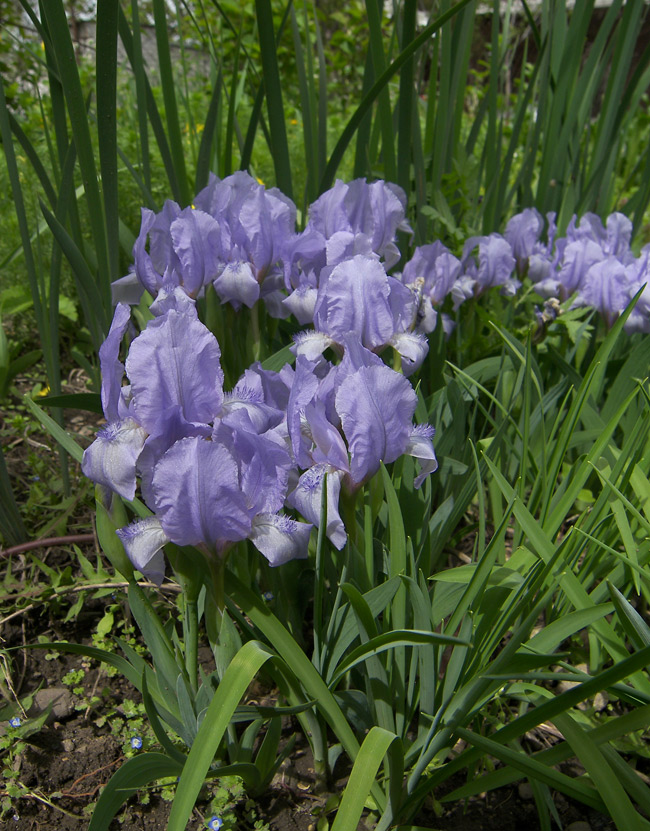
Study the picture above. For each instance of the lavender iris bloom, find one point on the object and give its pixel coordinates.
(214, 468)
(233, 236)
(260, 222)
(344, 424)
(186, 248)
(347, 221)
(360, 299)
(606, 287)
(431, 274)
(522, 233)
(211, 494)
(594, 262)
(496, 264)
(376, 211)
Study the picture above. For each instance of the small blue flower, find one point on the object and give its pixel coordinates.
(215, 823)
(267, 596)
(14, 722)
(136, 742)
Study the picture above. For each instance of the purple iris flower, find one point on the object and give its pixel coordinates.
(613, 238)
(360, 299)
(233, 236)
(639, 278)
(214, 469)
(496, 264)
(343, 424)
(606, 287)
(376, 211)
(594, 262)
(213, 493)
(261, 223)
(522, 233)
(347, 221)
(431, 274)
(186, 248)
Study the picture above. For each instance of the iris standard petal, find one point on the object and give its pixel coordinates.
(376, 406)
(356, 299)
(522, 232)
(175, 363)
(112, 368)
(197, 242)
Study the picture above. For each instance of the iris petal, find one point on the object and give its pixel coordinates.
(143, 541)
(279, 538)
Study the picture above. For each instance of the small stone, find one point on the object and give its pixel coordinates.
(601, 700)
(68, 745)
(525, 790)
(59, 697)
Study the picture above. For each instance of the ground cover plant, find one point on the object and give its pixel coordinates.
(372, 474)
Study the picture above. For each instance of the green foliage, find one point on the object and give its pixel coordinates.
(426, 627)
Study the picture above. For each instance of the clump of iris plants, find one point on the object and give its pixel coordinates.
(210, 459)
(219, 466)
(342, 273)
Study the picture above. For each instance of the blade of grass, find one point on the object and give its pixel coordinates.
(377, 88)
(609, 788)
(135, 773)
(533, 769)
(11, 524)
(67, 67)
(106, 85)
(363, 775)
(167, 83)
(274, 103)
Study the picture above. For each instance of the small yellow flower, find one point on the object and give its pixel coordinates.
(294, 121)
(45, 391)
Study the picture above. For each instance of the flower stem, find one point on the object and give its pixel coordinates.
(348, 503)
(217, 568)
(192, 642)
(255, 332)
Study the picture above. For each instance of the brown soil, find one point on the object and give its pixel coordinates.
(68, 761)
